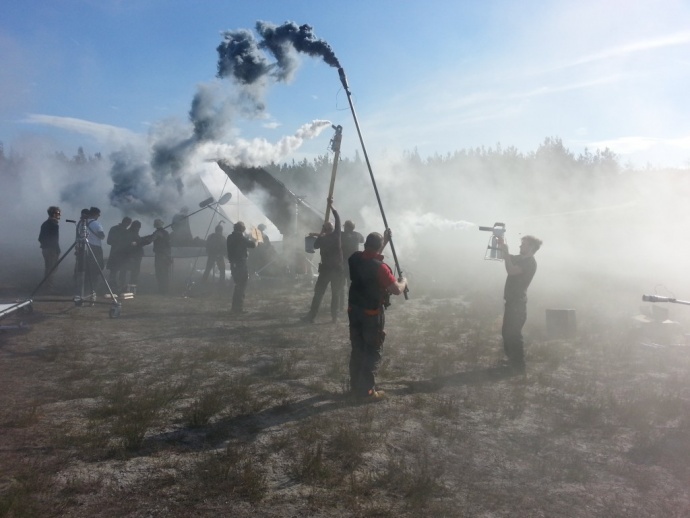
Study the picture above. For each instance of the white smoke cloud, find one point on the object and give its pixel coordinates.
(259, 151)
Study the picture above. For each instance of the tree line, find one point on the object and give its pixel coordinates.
(551, 168)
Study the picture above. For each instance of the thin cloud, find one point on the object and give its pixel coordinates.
(479, 99)
(635, 144)
(101, 132)
(479, 106)
(674, 40)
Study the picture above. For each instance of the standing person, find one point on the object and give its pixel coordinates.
(215, 252)
(134, 253)
(181, 231)
(265, 253)
(372, 282)
(237, 245)
(330, 267)
(350, 241)
(162, 255)
(118, 249)
(265, 239)
(49, 237)
(94, 262)
(521, 269)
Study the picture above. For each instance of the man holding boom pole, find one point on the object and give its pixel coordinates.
(372, 283)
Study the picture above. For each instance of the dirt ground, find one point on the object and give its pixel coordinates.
(177, 408)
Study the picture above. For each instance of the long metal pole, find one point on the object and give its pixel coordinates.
(343, 80)
(337, 139)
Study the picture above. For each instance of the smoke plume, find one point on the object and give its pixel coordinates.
(148, 182)
(257, 152)
(282, 41)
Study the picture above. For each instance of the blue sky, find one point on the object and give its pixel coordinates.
(437, 75)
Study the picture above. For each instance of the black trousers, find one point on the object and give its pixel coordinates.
(133, 267)
(366, 337)
(219, 261)
(117, 264)
(514, 318)
(240, 276)
(162, 264)
(333, 277)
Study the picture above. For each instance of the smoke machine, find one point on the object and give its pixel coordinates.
(493, 252)
(657, 298)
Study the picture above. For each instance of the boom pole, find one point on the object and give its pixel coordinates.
(343, 80)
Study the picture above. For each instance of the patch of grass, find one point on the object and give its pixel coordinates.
(134, 409)
(310, 464)
(19, 495)
(416, 476)
(74, 485)
(550, 353)
(116, 397)
(236, 471)
(91, 441)
(348, 446)
(16, 499)
(336, 368)
(242, 396)
(21, 417)
(204, 407)
(445, 406)
(282, 366)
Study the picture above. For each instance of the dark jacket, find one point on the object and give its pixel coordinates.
(516, 285)
(365, 290)
(330, 246)
(49, 237)
(350, 242)
(134, 244)
(161, 243)
(215, 245)
(238, 245)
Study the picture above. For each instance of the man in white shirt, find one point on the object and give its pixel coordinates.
(94, 262)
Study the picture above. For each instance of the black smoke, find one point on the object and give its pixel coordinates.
(240, 58)
(244, 61)
(282, 41)
(240, 55)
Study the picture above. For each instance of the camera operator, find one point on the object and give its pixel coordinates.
(521, 269)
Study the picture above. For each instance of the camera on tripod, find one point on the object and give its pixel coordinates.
(493, 252)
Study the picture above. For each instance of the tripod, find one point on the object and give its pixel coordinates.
(86, 262)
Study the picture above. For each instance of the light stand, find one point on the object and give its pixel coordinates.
(208, 203)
